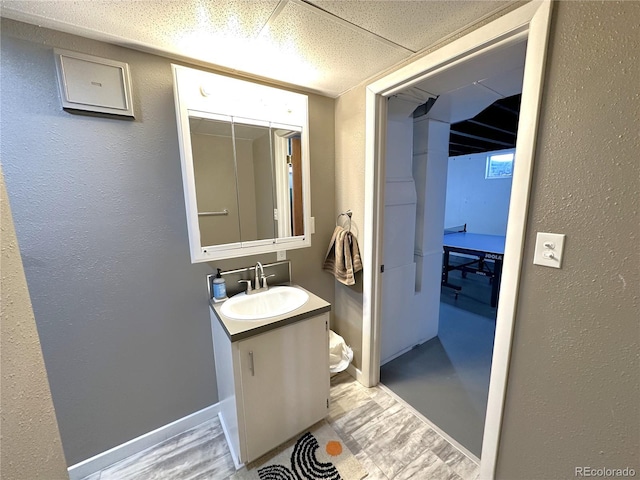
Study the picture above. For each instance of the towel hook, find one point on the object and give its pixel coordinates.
(348, 214)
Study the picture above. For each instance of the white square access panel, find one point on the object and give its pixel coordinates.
(93, 83)
(549, 249)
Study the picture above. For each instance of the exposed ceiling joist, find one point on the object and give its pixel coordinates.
(495, 128)
(492, 127)
(481, 139)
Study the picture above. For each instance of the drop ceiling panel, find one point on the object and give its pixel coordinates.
(506, 84)
(291, 41)
(412, 24)
(330, 46)
(462, 104)
(160, 22)
(477, 69)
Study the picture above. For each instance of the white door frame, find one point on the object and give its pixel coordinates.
(530, 22)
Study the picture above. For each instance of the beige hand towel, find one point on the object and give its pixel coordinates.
(343, 256)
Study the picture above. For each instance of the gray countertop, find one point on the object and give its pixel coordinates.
(241, 329)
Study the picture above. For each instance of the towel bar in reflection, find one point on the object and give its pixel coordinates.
(213, 214)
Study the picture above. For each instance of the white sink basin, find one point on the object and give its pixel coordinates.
(271, 303)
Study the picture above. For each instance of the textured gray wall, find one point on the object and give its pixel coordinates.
(31, 446)
(99, 212)
(573, 392)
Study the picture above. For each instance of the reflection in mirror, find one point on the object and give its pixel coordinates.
(233, 173)
(295, 186)
(248, 180)
(255, 178)
(214, 175)
(288, 157)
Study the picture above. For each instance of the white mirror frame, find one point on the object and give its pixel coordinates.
(209, 93)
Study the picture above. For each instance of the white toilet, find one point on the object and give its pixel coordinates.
(340, 354)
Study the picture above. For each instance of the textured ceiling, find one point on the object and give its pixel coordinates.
(323, 46)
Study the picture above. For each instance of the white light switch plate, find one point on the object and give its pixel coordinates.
(281, 255)
(549, 248)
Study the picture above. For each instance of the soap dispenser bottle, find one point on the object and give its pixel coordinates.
(219, 288)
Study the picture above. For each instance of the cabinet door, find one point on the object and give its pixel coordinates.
(285, 383)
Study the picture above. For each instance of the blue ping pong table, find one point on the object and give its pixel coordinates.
(481, 248)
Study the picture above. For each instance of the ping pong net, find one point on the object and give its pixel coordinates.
(458, 229)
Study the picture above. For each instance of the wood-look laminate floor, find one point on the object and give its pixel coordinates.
(389, 438)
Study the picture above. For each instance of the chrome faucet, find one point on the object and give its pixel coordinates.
(259, 282)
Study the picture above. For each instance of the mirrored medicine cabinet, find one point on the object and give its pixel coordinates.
(244, 151)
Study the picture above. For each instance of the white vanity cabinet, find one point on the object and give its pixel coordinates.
(272, 385)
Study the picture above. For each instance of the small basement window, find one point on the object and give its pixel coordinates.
(499, 165)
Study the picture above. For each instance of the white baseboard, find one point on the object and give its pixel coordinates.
(396, 355)
(405, 350)
(355, 373)
(102, 460)
(234, 454)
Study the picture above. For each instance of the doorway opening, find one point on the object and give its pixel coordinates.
(437, 335)
(530, 24)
